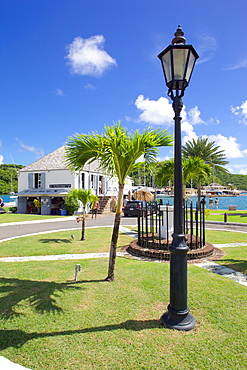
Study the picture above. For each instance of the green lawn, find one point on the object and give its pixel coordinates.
(50, 322)
(219, 236)
(225, 237)
(235, 258)
(219, 215)
(15, 217)
(232, 216)
(97, 240)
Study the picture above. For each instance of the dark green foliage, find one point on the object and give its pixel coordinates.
(9, 178)
(71, 205)
(206, 150)
(144, 174)
(237, 181)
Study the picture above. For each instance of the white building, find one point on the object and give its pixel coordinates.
(48, 180)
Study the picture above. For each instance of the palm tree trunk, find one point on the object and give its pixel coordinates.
(83, 224)
(115, 233)
(83, 229)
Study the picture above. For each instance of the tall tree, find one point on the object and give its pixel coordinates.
(193, 168)
(206, 150)
(117, 151)
(209, 152)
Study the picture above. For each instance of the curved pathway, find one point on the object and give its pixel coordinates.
(18, 229)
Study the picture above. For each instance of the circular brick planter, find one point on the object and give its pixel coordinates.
(162, 254)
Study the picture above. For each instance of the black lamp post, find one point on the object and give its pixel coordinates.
(178, 61)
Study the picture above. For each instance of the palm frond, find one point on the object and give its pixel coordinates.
(116, 149)
(206, 150)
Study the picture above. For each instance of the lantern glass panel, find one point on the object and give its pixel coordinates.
(179, 62)
(191, 63)
(166, 61)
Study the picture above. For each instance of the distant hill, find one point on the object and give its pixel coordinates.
(9, 178)
(237, 181)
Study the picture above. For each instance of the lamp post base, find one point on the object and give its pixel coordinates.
(178, 321)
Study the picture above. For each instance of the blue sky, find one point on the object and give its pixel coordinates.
(71, 66)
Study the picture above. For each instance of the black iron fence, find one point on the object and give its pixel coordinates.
(155, 225)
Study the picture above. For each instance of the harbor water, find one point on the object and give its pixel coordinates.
(9, 199)
(239, 201)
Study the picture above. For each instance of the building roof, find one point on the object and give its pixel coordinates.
(56, 161)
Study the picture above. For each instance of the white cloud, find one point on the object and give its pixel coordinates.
(157, 112)
(165, 158)
(1, 159)
(194, 116)
(238, 168)
(214, 121)
(229, 145)
(89, 86)
(243, 171)
(160, 112)
(59, 92)
(241, 112)
(87, 56)
(188, 129)
(207, 47)
(242, 63)
(39, 152)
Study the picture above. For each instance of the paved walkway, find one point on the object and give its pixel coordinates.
(16, 230)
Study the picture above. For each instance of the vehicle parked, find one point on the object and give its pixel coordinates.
(132, 206)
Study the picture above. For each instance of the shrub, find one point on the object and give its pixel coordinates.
(71, 205)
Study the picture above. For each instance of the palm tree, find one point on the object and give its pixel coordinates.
(117, 152)
(86, 197)
(193, 168)
(209, 152)
(206, 150)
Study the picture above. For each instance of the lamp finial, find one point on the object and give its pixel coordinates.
(179, 39)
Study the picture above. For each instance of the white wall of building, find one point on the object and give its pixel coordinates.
(50, 177)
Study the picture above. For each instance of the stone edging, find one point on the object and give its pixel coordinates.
(158, 254)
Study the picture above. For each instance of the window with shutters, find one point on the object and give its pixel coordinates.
(36, 180)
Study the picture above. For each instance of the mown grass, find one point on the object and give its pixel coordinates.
(235, 258)
(50, 322)
(97, 240)
(232, 216)
(15, 217)
(225, 237)
(219, 215)
(219, 236)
